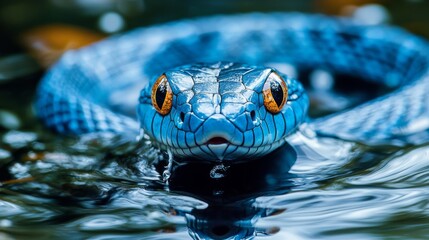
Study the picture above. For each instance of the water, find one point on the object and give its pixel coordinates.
(320, 188)
(110, 187)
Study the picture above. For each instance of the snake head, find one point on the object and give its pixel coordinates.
(222, 111)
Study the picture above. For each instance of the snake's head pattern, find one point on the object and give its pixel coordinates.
(222, 111)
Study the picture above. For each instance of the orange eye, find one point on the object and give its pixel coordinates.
(275, 93)
(162, 96)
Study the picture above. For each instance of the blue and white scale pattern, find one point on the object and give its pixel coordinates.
(222, 100)
(97, 88)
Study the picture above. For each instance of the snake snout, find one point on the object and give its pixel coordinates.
(218, 130)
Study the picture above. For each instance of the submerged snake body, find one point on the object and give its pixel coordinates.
(88, 90)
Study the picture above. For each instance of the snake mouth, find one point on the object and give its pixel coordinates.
(217, 141)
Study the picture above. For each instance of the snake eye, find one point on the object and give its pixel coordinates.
(162, 96)
(275, 93)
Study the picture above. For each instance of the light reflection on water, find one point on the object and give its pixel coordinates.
(334, 189)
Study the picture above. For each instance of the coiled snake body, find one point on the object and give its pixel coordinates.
(207, 95)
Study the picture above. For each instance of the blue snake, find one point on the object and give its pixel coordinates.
(208, 93)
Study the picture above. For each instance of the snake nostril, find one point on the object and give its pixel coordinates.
(182, 116)
(253, 115)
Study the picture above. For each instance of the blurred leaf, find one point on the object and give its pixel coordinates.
(47, 43)
(339, 7)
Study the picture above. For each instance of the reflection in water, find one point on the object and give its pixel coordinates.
(335, 189)
(231, 212)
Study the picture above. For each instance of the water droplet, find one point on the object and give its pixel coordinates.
(167, 172)
(218, 171)
(166, 175)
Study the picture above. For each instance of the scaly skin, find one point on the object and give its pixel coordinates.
(89, 90)
(222, 100)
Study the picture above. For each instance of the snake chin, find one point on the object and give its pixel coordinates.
(225, 151)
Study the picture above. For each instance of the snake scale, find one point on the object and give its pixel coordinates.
(208, 93)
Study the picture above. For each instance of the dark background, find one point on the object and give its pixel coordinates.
(20, 72)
